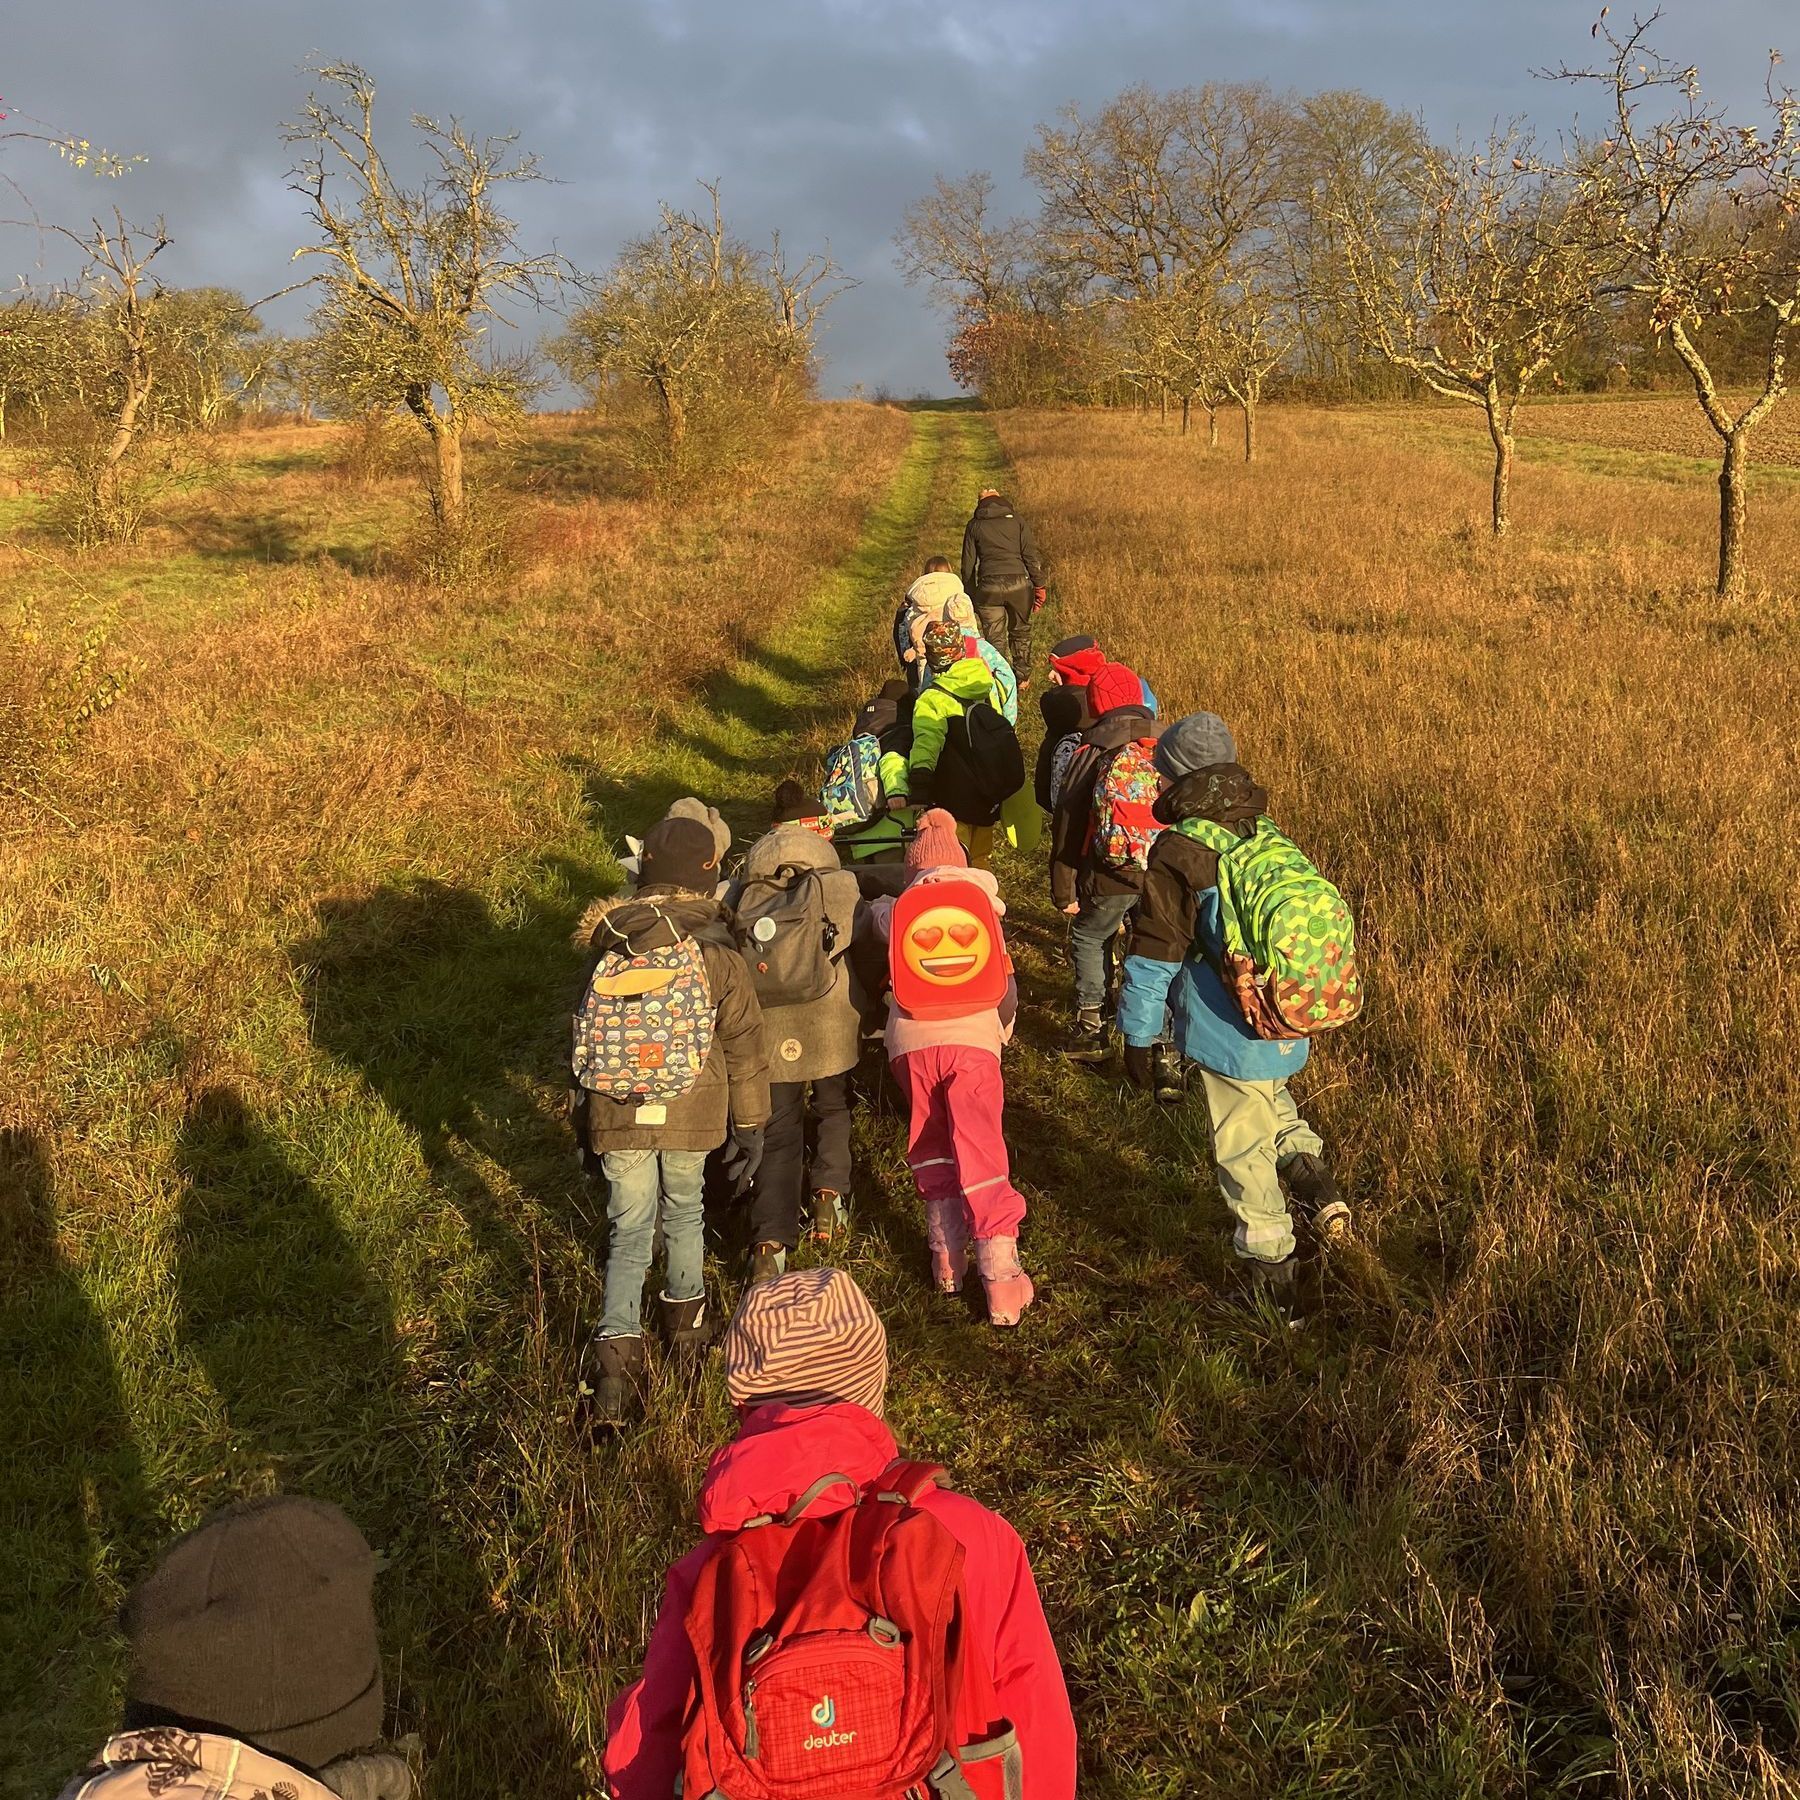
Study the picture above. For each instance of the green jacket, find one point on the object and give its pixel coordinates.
(949, 695)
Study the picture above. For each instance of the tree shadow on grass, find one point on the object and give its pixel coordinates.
(301, 1345)
(79, 1520)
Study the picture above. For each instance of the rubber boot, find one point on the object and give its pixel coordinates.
(947, 1232)
(828, 1216)
(1169, 1074)
(1089, 1041)
(767, 1261)
(1009, 1289)
(685, 1329)
(1277, 1285)
(1315, 1194)
(612, 1378)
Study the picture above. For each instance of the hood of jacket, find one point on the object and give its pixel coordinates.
(791, 846)
(635, 923)
(1223, 792)
(1113, 730)
(994, 506)
(1064, 709)
(969, 680)
(781, 1450)
(932, 593)
(171, 1762)
(985, 879)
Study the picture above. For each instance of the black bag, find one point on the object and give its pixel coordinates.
(980, 767)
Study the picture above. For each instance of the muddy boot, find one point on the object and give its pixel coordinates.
(612, 1379)
(685, 1330)
(1009, 1289)
(827, 1216)
(1169, 1074)
(947, 1232)
(1315, 1194)
(1089, 1042)
(767, 1261)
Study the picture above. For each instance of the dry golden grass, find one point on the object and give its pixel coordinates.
(1558, 786)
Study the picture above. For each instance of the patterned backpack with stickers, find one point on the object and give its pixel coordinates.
(645, 1025)
(852, 793)
(1290, 942)
(1124, 793)
(832, 1657)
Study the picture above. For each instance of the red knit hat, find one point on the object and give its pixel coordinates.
(1077, 660)
(1114, 685)
(935, 844)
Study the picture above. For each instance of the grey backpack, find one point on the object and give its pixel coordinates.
(786, 936)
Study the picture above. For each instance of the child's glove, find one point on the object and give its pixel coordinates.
(1140, 1066)
(1038, 597)
(376, 1776)
(743, 1156)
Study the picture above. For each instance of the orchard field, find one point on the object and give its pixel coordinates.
(284, 962)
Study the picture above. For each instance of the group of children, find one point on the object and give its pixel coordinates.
(847, 1623)
(725, 1011)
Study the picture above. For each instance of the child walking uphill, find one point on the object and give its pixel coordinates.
(847, 1618)
(1261, 1144)
(965, 756)
(668, 1060)
(794, 915)
(951, 1007)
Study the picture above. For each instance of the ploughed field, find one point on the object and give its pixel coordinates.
(289, 1199)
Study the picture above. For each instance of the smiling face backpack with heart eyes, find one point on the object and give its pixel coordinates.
(946, 957)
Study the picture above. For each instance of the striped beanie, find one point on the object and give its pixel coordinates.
(810, 1337)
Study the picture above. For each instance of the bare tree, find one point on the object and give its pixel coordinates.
(1700, 213)
(720, 335)
(950, 242)
(413, 275)
(1157, 184)
(1254, 333)
(1494, 275)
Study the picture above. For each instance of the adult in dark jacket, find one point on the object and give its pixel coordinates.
(654, 1156)
(1004, 576)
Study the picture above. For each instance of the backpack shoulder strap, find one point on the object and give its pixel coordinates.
(906, 1483)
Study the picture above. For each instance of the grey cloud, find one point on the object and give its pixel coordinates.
(824, 117)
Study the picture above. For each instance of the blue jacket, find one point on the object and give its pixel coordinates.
(1171, 965)
(1208, 1028)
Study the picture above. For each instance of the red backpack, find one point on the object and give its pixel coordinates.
(946, 956)
(832, 1658)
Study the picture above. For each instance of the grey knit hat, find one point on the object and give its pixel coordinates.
(261, 1621)
(1196, 742)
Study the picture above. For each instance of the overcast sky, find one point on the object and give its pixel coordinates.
(824, 117)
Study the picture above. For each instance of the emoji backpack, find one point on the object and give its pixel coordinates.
(946, 957)
(833, 1659)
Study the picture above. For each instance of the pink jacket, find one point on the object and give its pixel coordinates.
(779, 1452)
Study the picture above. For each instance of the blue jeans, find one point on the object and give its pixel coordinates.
(637, 1183)
(1092, 934)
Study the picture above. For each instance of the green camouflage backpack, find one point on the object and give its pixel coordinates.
(1290, 942)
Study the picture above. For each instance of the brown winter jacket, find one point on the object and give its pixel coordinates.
(819, 1037)
(733, 1088)
(1074, 875)
(1181, 868)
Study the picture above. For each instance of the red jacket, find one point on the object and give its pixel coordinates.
(779, 1452)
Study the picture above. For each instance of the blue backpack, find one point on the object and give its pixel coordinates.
(851, 793)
